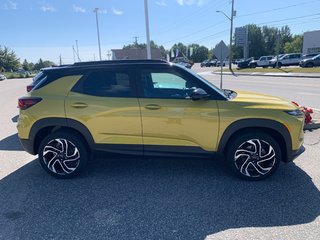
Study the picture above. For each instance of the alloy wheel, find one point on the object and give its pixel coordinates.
(255, 158)
(61, 156)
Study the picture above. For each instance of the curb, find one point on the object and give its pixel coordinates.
(267, 75)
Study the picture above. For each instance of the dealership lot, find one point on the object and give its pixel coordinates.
(156, 198)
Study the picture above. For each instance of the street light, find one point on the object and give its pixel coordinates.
(147, 28)
(96, 11)
(231, 28)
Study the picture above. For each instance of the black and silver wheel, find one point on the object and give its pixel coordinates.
(254, 156)
(63, 155)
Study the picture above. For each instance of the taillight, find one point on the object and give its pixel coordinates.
(29, 88)
(25, 103)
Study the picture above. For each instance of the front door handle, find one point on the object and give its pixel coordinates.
(79, 105)
(152, 106)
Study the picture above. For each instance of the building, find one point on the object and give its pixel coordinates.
(135, 54)
(311, 42)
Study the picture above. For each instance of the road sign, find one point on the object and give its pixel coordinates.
(241, 36)
(221, 51)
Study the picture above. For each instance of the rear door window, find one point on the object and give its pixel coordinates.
(107, 83)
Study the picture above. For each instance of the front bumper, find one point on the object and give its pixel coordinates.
(296, 153)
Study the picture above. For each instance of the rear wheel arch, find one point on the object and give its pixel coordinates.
(273, 128)
(44, 127)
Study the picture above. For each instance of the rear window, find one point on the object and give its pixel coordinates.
(44, 79)
(37, 78)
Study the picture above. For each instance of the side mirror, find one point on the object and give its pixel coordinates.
(199, 94)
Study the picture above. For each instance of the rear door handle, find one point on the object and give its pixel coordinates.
(79, 105)
(152, 106)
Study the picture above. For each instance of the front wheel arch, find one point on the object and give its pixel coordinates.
(275, 129)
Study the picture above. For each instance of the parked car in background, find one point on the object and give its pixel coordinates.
(204, 63)
(311, 55)
(244, 63)
(219, 64)
(2, 77)
(213, 63)
(183, 61)
(263, 61)
(310, 62)
(286, 60)
(209, 63)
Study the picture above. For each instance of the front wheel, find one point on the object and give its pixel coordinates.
(63, 154)
(253, 156)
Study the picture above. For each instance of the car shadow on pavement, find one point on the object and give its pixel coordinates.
(151, 198)
(11, 143)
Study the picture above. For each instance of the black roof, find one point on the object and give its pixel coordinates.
(100, 64)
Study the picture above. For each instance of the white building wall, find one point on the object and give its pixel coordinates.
(311, 42)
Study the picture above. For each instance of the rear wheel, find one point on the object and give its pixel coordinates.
(63, 154)
(309, 65)
(253, 156)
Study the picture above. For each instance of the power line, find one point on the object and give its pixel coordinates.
(276, 9)
(282, 20)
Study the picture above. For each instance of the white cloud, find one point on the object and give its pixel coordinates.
(104, 11)
(190, 2)
(117, 12)
(162, 3)
(10, 5)
(79, 9)
(47, 8)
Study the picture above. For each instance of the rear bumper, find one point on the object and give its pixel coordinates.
(27, 146)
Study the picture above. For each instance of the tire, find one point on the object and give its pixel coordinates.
(279, 64)
(309, 65)
(253, 156)
(63, 154)
(253, 65)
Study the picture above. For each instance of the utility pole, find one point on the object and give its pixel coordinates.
(278, 47)
(231, 28)
(78, 51)
(135, 40)
(147, 29)
(74, 56)
(96, 11)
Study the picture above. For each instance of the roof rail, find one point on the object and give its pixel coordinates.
(118, 61)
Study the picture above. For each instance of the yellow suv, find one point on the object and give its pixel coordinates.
(152, 107)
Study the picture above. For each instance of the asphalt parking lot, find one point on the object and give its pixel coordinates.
(152, 198)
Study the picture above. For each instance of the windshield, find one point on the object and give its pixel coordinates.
(316, 57)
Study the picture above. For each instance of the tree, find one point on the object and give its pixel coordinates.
(295, 46)
(137, 45)
(182, 49)
(43, 64)
(270, 35)
(285, 36)
(8, 59)
(26, 65)
(200, 53)
(256, 41)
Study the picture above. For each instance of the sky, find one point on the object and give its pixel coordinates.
(49, 29)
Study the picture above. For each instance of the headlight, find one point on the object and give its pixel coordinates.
(296, 113)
